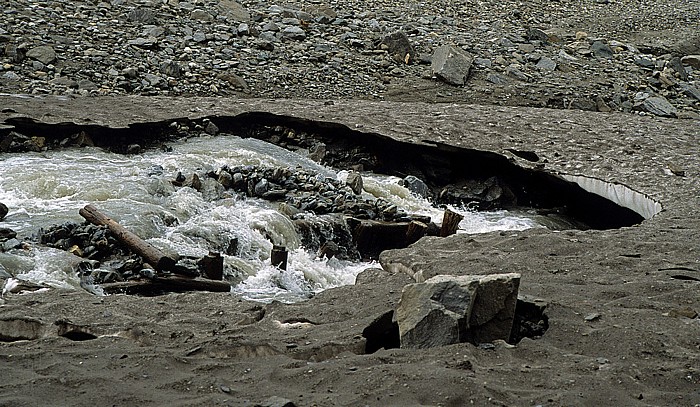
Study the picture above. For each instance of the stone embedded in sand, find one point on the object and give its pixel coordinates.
(453, 309)
(437, 312)
(494, 308)
(20, 328)
(451, 64)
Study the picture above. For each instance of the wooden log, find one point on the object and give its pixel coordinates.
(150, 254)
(212, 266)
(161, 285)
(415, 231)
(278, 257)
(450, 223)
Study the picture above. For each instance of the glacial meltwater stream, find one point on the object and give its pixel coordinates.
(43, 189)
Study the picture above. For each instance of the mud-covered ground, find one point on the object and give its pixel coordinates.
(622, 304)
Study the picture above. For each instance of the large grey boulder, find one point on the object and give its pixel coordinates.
(451, 64)
(437, 312)
(494, 308)
(452, 309)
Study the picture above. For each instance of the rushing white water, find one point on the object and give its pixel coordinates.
(43, 189)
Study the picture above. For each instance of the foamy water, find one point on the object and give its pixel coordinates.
(43, 189)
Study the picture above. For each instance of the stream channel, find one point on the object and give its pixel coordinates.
(49, 188)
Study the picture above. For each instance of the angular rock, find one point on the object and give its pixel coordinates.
(537, 35)
(496, 79)
(691, 60)
(399, 47)
(452, 309)
(294, 33)
(689, 90)
(644, 62)
(659, 106)
(10, 244)
(43, 53)
(494, 308)
(87, 84)
(546, 64)
(234, 11)
(243, 29)
(6, 233)
(601, 49)
(354, 181)
(451, 64)
(201, 15)
(141, 15)
(437, 312)
(65, 81)
(416, 185)
(513, 70)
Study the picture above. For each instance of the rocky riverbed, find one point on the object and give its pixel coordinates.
(640, 56)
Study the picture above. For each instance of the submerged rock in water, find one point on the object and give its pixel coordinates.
(3, 211)
(6, 234)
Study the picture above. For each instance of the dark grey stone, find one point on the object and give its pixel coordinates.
(601, 49)
(44, 54)
(354, 181)
(659, 106)
(141, 15)
(451, 64)
(3, 211)
(496, 79)
(546, 64)
(537, 35)
(416, 185)
(294, 33)
(644, 62)
(689, 90)
(399, 47)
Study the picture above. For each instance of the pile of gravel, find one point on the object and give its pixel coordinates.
(591, 55)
